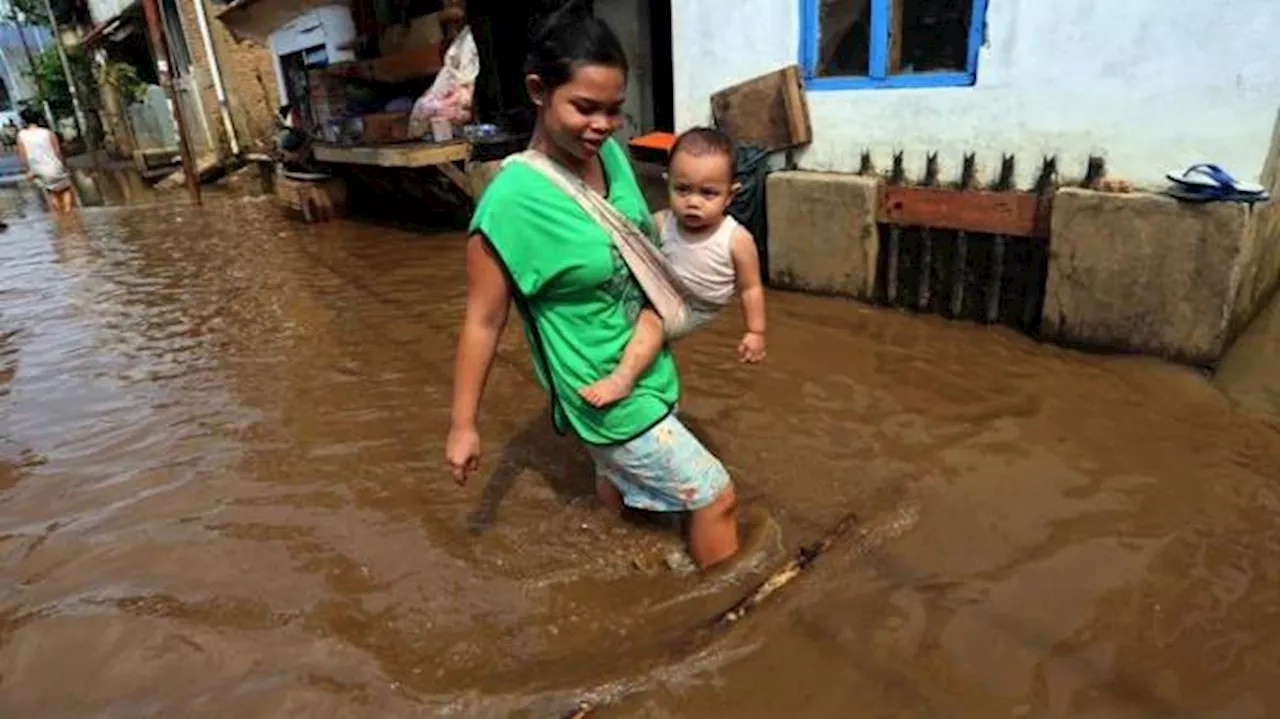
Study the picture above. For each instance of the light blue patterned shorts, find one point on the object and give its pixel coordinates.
(663, 470)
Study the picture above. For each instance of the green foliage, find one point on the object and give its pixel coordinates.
(51, 80)
(124, 78)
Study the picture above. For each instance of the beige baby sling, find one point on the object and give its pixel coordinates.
(674, 303)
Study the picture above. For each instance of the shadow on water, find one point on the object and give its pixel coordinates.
(535, 448)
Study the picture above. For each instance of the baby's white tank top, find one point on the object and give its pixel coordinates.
(704, 265)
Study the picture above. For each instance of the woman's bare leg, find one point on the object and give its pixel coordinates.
(609, 495)
(713, 530)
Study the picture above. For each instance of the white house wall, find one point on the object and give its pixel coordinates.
(1151, 85)
(101, 11)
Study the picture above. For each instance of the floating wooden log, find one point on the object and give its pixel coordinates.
(787, 573)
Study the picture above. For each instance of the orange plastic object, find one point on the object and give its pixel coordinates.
(655, 141)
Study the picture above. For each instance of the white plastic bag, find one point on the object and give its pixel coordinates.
(451, 93)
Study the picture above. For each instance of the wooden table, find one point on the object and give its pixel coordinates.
(444, 156)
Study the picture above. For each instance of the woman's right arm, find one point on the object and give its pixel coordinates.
(488, 302)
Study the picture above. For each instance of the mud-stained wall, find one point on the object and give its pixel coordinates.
(247, 75)
(1258, 283)
(1150, 84)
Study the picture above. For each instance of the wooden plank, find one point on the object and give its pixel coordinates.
(891, 275)
(797, 108)
(995, 280)
(1019, 214)
(412, 154)
(769, 110)
(958, 274)
(457, 177)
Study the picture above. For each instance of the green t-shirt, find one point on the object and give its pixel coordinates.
(577, 297)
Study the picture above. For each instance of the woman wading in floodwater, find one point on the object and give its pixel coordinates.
(531, 243)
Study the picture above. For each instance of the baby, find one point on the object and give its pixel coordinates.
(709, 251)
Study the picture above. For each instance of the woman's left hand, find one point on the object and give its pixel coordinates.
(462, 452)
(751, 350)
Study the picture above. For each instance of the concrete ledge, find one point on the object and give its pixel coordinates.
(1262, 265)
(822, 232)
(1145, 273)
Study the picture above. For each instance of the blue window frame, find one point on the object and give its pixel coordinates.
(893, 32)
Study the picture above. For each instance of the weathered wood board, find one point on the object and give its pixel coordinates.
(412, 154)
(1019, 214)
(769, 110)
(315, 200)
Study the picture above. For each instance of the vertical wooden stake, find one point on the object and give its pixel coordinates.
(995, 284)
(968, 179)
(958, 274)
(866, 166)
(996, 281)
(895, 247)
(926, 270)
(896, 177)
(160, 46)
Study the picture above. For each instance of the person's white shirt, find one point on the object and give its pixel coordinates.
(39, 145)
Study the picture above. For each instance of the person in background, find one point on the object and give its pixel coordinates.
(9, 135)
(293, 143)
(41, 155)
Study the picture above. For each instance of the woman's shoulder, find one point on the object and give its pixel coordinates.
(513, 186)
(518, 197)
(615, 157)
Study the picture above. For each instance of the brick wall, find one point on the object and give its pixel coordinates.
(247, 76)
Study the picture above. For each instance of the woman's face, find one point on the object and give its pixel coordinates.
(581, 114)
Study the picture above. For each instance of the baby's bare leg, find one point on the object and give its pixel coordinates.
(646, 342)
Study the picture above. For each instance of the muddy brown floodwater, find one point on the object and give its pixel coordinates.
(222, 495)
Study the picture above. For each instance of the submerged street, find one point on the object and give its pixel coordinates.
(222, 494)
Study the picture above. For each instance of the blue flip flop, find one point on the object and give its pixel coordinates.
(1211, 183)
(1207, 182)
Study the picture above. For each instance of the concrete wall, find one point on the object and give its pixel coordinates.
(246, 73)
(1150, 84)
(1137, 272)
(822, 233)
(1259, 282)
(1145, 273)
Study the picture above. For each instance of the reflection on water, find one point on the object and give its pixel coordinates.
(113, 185)
(221, 495)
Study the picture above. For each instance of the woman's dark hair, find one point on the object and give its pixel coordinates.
(30, 117)
(568, 38)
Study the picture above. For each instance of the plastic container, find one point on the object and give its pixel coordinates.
(441, 129)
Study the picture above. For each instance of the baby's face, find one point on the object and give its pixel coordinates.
(700, 187)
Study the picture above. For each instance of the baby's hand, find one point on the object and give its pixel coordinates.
(751, 348)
